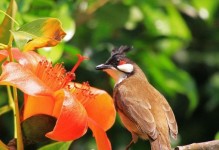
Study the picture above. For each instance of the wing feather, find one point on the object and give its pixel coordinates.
(170, 119)
(137, 110)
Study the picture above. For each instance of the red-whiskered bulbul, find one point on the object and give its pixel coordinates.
(143, 110)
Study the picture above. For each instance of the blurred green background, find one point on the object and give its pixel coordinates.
(175, 42)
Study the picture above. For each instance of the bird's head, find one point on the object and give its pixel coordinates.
(118, 66)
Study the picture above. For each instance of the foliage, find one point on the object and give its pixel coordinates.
(175, 43)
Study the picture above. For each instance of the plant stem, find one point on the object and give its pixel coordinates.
(17, 120)
(11, 104)
(17, 126)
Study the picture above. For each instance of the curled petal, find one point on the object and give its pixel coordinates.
(34, 105)
(72, 121)
(16, 75)
(100, 108)
(102, 140)
(98, 104)
(3, 54)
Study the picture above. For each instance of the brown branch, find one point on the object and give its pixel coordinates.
(84, 16)
(96, 6)
(210, 145)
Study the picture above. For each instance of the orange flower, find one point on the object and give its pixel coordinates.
(48, 90)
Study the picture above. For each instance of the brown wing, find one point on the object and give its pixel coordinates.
(137, 110)
(168, 113)
(170, 119)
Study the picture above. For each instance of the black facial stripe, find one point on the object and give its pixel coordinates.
(113, 60)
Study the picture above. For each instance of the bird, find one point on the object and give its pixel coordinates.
(143, 110)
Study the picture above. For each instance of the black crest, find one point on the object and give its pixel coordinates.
(121, 50)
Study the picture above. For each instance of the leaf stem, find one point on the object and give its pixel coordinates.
(9, 17)
(3, 46)
(5, 109)
(11, 104)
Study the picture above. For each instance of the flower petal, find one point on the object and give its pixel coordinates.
(101, 108)
(4, 53)
(72, 121)
(34, 105)
(27, 59)
(98, 104)
(102, 140)
(16, 75)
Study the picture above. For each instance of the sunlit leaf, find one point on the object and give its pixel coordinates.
(206, 8)
(170, 79)
(57, 146)
(165, 23)
(217, 136)
(176, 22)
(68, 22)
(52, 53)
(44, 32)
(155, 20)
(212, 89)
(8, 23)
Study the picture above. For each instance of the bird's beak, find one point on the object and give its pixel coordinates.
(103, 66)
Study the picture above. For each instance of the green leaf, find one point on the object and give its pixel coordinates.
(52, 53)
(39, 33)
(176, 22)
(206, 9)
(212, 89)
(165, 21)
(57, 146)
(217, 136)
(67, 22)
(8, 23)
(169, 78)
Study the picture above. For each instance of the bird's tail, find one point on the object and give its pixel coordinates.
(161, 143)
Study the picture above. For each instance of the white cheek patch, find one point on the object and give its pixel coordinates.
(128, 68)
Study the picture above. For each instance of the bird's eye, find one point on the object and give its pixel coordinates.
(122, 62)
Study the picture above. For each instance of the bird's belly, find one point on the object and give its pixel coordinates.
(132, 126)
